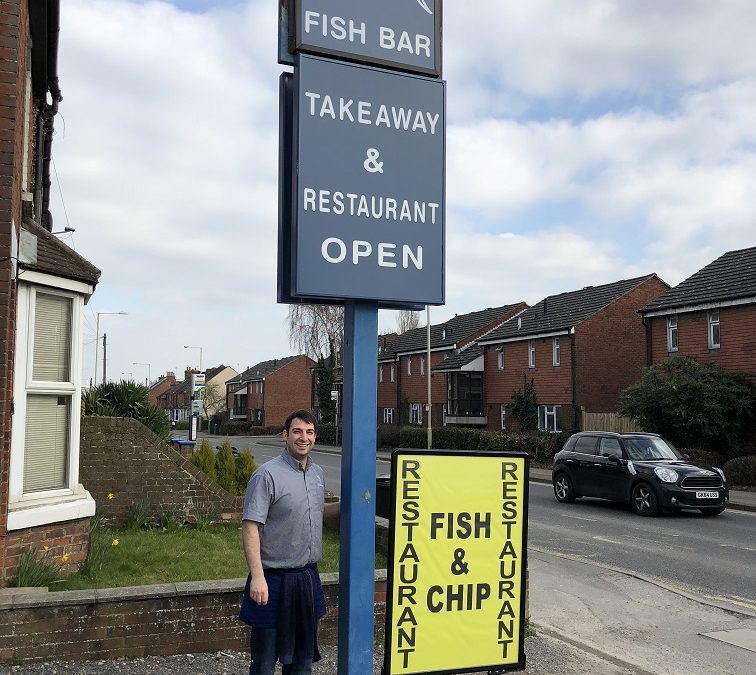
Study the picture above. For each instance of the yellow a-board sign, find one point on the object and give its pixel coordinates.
(457, 562)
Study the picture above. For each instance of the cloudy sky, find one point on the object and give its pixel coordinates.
(588, 141)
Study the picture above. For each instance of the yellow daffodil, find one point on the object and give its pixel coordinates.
(64, 557)
(115, 542)
(45, 548)
(110, 495)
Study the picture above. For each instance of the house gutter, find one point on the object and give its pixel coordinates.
(44, 19)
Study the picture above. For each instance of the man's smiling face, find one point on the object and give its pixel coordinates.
(299, 439)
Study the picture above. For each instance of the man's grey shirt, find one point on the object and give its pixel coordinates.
(288, 503)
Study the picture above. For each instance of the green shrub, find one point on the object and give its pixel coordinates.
(741, 471)
(525, 406)
(241, 428)
(225, 468)
(126, 399)
(541, 447)
(694, 403)
(36, 570)
(245, 467)
(204, 459)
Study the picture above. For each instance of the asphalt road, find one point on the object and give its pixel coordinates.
(714, 557)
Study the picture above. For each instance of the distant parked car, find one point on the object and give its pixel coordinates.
(641, 469)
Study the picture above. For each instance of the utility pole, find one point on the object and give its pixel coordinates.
(104, 356)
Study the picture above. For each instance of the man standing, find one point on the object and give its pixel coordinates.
(282, 524)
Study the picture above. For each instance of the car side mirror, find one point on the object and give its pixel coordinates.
(686, 458)
(614, 459)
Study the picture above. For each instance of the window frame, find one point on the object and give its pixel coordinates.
(422, 365)
(714, 324)
(388, 415)
(547, 413)
(500, 358)
(380, 374)
(416, 414)
(673, 337)
(409, 366)
(392, 374)
(531, 354)
(556, 352)
(503, 416)
(25, 385)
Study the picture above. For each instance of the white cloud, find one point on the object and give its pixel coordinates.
(587, 142)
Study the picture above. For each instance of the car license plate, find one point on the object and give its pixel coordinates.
(707, 495)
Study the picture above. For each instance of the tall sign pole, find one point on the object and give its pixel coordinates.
(361, 221)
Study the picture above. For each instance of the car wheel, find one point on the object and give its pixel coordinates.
(643, 500)
(713, 512)
(563, 489)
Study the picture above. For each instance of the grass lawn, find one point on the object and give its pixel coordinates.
(152, 556)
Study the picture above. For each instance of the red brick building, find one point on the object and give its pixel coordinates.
(402, 367)
(580, 349)
(711, 315)
(44, 286)
(157, 389)
(266, 393)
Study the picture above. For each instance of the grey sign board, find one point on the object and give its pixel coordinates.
(401, 34)
(368, 191)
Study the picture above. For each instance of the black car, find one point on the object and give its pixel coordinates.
(641, 469)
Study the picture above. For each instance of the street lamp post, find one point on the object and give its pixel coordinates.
(200, 354)
(131, 375)
(97, 343)
(149, 375)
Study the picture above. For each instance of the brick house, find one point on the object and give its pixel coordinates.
(44, 286)
(580, 349)
(158, 388)
(177, 400)
(267, 392)
(711, 315)
(402, 376)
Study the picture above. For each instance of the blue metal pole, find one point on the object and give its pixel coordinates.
(357, 557)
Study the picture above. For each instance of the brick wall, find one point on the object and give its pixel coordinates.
(68, 543)
(553, 384)
(142, 621)
(737, 337)
(13, 50)
(414, 388)
(610, 348)
(288, 389)
(121, 456)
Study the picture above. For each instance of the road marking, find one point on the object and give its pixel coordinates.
(610, 541)
(590, 520)
(734, 599)
(742, 548)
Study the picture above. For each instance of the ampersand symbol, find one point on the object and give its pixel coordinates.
(371, 164)
(458, 567)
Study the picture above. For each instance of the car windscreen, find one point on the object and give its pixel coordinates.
(648, 447)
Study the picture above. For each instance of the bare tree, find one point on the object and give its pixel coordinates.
(213, 399)
(407, 320)
(317, 330)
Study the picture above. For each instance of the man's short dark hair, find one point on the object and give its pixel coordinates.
(305, 415)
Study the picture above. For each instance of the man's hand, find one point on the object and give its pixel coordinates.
(258, 590)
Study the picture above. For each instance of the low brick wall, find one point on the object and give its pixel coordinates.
(141, 621)
(67, 545)
(122, 457)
